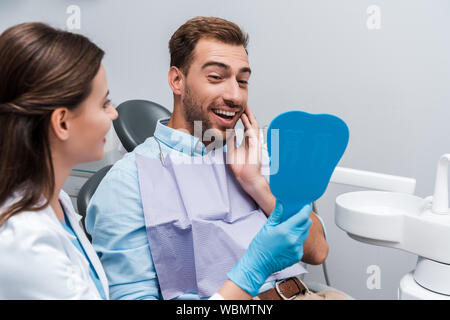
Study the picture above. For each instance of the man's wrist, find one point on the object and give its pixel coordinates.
(259, 190)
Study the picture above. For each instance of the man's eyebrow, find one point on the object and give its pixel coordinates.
(246, 69)
(215, 63)
(225, 66)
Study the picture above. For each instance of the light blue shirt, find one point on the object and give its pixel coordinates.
(115, 219)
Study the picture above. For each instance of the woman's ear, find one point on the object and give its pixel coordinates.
(176, 80)
(59, 123)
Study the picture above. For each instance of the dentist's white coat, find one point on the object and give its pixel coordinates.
(39, 261)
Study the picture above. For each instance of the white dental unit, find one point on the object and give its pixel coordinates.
(398, 219)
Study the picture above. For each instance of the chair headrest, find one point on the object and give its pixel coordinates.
(137, 121)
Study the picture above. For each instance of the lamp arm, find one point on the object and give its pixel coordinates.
(373, 180)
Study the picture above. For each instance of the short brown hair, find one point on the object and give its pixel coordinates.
(183, 41)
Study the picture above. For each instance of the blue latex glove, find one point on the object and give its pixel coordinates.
(275, 247)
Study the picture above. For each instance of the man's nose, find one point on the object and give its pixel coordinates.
(233, 94)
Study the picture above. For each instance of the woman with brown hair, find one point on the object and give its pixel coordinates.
(54, 114)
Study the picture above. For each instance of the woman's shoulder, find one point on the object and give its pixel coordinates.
(29, 220)
(26, 227)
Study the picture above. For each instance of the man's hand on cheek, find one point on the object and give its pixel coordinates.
(245, 162)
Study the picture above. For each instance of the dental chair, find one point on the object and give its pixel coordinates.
(137, 121)
(86, 193)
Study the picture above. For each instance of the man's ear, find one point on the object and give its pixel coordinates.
(176, 80)
(59, 123)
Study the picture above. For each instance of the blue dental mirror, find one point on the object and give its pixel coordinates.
(304, 150)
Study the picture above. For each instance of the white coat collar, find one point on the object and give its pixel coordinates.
(74, 219)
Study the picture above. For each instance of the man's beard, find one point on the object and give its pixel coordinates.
(198, 119)
(192, 109)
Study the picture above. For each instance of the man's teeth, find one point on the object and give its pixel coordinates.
(225, 113)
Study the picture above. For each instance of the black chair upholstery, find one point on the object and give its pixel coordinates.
(137, 121)
(87, 191)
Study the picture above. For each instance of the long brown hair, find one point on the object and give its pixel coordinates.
(41, 69)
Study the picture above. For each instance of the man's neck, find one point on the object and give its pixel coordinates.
(178, 122)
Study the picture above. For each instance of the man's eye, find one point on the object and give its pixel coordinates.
(107, 104)
(214, 77)
(243, 81)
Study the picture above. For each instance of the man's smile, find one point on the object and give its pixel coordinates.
(224, 114)
(226, 117)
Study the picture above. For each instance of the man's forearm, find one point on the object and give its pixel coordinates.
(260, 192)
(315, 248)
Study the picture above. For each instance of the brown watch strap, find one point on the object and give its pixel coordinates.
(284, 290)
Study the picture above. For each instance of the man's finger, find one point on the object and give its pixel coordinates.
(246, 122)
(250, 115)
(231, 146)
